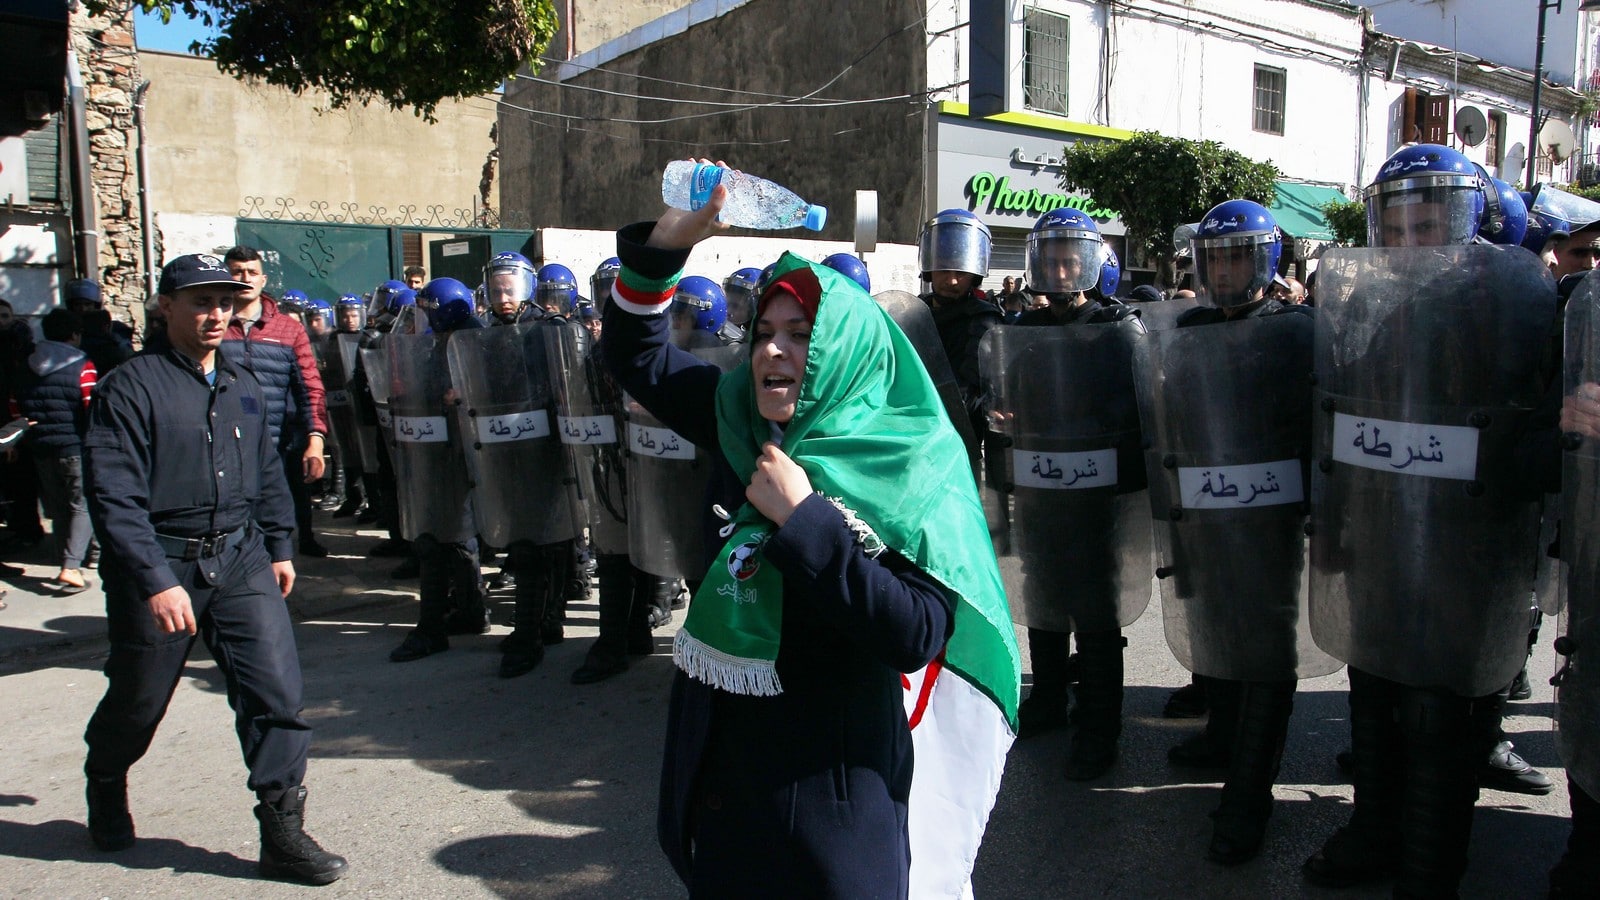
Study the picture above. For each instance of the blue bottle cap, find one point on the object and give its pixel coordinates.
(816, 217)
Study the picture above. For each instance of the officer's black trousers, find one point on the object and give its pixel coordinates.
(450, 577)
(245, 623)
(294, 473)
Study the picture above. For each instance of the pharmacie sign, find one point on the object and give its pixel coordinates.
(991, 194)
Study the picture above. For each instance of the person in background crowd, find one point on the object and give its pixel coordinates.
(54, 396)
(416, 277)
(277, 350)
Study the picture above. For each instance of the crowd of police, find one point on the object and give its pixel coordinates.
(1385, 481)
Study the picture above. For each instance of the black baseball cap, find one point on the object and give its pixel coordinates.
(195, 270)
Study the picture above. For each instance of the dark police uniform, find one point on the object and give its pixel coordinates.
(185, 489)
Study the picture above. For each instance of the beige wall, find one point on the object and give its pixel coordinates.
(217, 142)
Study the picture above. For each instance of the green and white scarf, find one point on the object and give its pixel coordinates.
(873, 437)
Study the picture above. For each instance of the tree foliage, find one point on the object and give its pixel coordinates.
(406, 53)
(1348, 220)
(1157, 183)
(1591, 192)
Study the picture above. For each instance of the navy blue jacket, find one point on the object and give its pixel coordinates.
(278, 353)
(53, 399)
(803, 794)
(167, 453)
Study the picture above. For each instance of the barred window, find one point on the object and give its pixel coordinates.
(1270, 84)
(1044, 62)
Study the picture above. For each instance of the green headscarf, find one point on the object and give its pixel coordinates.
(871, 433)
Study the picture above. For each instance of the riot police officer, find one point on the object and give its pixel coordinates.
(699, 315)
(349, 316)
(1232, 575)
(1431, 352)
(435, 496)
(557, 290)
(389, 301)
(953, 254)
(850, 266)
(739, 287)
(504, 380)
(1082, 542)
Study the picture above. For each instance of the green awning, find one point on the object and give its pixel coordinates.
(1298, 210)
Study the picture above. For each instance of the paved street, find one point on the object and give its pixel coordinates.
(438, 779)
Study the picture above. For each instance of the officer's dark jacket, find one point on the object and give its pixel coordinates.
(168, 453)
(962, 324)
(803, 794)
(277, 351)
(1092, 312)
(1211, 315)
(51, 394)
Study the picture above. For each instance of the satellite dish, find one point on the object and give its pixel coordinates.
(1557, 139)
(1471, 127)
(1516, 159)
(1182, 235)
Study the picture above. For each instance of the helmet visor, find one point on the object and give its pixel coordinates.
(960, 246)
(506, 290)
(1234, 270)
(1423, 212)
(1064, 261)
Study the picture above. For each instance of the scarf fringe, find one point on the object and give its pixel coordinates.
(734, 674)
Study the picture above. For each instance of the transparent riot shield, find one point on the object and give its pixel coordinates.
(1078, 557)
(337, 369)
(1226, 409)
(430, 468)
(1578, 681)
(588, 408)
(916, 320)
(375, 360)
(518, 468)
(1428, 362)
(667, 480)
(1163, 316)
(358, 383)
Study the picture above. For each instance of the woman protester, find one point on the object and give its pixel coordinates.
(853, 617)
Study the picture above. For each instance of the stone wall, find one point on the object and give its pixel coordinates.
(111, 73)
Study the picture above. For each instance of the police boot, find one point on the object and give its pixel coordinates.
(286, 850)
(429, 637)
(608, 655)
(355, 495)
(661, 600)
(523, 650)
(552, 627)
(110, 823)
(1578, 872)
(1212, 748)
(333, 488)
(1046, 707)
(1442, 763)
(1363, 850)
(1240, 821)
(1502, 769)
(1097, 720)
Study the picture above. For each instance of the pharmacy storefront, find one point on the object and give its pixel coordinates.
(1006, 170)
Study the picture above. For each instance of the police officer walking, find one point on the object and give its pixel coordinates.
(197, 540)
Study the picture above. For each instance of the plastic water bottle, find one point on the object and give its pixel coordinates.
(752, 202)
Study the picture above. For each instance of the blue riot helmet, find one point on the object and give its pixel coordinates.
(1505, 213)
(399, 300)
(1236, 250)
(954, 240)
(1110, 274)
(740, 289)
(761, 284)
(319, 316)
(1554, 213)
(383, 295)
(447, 302)
(701, 298)
(848, 265)
(1425, 196)
(605, 275)
(293, 301)
(558, 289)
(1064, 253)
(350, 313)
(508, 282)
